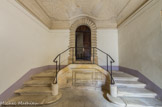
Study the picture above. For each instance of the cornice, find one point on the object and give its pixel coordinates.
(138, 12)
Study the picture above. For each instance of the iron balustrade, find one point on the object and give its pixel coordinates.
(109, 59)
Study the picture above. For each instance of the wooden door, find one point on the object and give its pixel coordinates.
(87, 45)
(83, 43)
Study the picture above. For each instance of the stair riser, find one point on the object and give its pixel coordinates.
(90, 88)
(38, 78)
(34, 93)
(36, 85)
(137, 95)
(128, 105)
(88, 85)
(125, 79)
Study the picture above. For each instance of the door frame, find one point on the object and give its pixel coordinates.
(88, 22)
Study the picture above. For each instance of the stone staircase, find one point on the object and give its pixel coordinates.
(36, 91)
(132, 93)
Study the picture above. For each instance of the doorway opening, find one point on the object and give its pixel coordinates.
(83, 43)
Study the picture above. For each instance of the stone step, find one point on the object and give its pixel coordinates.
(89, 81)
(132, 84)
(124, 77)
(39, 82)
(46, 74)
(135, 92)
(32, 100)
(70, 80)
(85, 84)
(92, 83)
(34, 91)
(142, 102)
(83, 69)
(43, 78)
(88, 74)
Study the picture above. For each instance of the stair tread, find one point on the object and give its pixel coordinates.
(49, 73)
(142, 102)
(122, 91)
(34, 90)
(124, 77)
(130, 84)
(38, 82)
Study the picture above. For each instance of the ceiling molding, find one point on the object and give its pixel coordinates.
(106, 14)
(134, 11)
(47, 22)
(42, 9)
(138, 12)
(123, 8)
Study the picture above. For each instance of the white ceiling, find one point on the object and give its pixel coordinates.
(66, 10)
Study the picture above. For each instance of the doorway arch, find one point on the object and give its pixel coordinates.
(83, 43)
(72, 43)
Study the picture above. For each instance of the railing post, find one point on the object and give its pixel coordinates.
(107, 62)
(56, 71)
(59, 61)
(93, 55)
(111, 72)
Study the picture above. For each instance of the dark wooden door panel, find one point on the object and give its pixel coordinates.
(83, 44)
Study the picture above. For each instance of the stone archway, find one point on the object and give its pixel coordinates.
(74, 26)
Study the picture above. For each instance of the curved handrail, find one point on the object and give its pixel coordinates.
(112, 61)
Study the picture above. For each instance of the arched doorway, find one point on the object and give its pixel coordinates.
(83, 43)
(72, 40)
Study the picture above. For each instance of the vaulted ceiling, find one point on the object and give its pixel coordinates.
(60, 14)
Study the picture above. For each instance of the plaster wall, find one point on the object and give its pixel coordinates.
(23, 43)
(140, 42)
(107, 40)
(59, 42)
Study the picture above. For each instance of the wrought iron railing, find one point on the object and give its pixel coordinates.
(89, 57)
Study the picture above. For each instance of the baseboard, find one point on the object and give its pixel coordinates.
(149, 84)
(114, 68)
(54, 67)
